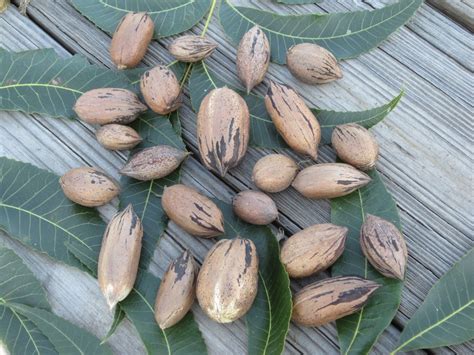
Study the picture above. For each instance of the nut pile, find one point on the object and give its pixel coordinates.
(227, 283)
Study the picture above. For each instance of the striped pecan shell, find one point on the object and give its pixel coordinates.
(119, 256)
(228, 280)
(312, 64)
(223, 128)
(253, 57)
(193, 212)
(117, 137)
(355, 145)
(293, 119)
(161, 90)
(154, 162)
(177, 291)
(384, 246)
(330, 299)
(313, 249)
(131, 39)
(329, 180)
(89, 187)
(108, 105)
(255, 207)
(191, 48)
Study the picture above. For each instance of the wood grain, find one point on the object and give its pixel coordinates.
(424, 159)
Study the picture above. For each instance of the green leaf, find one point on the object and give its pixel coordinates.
(18, 284)
(263, 133)
(358, 332)
(368, 118)
(34, 210)
(183, 338)
(268, 319)
(66, 337)
(39, 81)
(170, 16)
(346, 35)
(119, 316)
(446, 316)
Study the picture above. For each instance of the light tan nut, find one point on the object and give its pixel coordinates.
(177, 291)
(108, 105)
(313, 249)
(117, 137)
(154, 162)
(384, 246)
(161, 90)
(253, 57)
(89, 187)
(355, 145)
(255, 207)
(193, 212)
(131, 39)
(329, 180)
(119, 256)
(191, 48)
(274, 172)
(312, 64)
(228, 281)
(294, 121)
(223, 128)
(330, 299)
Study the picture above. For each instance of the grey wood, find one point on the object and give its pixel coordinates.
(461, 10)
(436, 220)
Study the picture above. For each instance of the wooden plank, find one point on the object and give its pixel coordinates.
(460, 10)
(295, 212)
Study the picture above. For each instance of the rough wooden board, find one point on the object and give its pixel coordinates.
(460, 10)
(240, 178)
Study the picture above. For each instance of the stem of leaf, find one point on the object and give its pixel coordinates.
(208, 20)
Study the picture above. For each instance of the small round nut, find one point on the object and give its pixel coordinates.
(117, 137)
(255, 207)
(274, 172)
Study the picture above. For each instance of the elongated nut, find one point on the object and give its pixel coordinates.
(117, 137)
(384, 246)
(255, 207)
(312, 64)
(177, 291)
(223, 129)
(355, 145)
(228, 281)
(293, 119)
(191, 48)
(89, 187)
(330, 299)
(253, 57)
(161, 90)
(119, 256)
(108, 105)
(193, 212)
(131, 39)
(329, 180)
(313, 249)
(274, 172)
(154, 162)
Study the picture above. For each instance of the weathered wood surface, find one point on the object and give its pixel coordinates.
(426, 159)
(460, 10)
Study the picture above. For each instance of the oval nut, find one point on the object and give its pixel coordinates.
(193, 212)
(255, 207)
(117, 137)
(161, 90)
(228, 280)
(274, 172)
(177, 291)
(89, 187)
(191, 48)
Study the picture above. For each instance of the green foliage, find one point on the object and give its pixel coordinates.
(358, 332)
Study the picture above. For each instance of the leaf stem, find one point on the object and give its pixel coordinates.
(208, 20)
